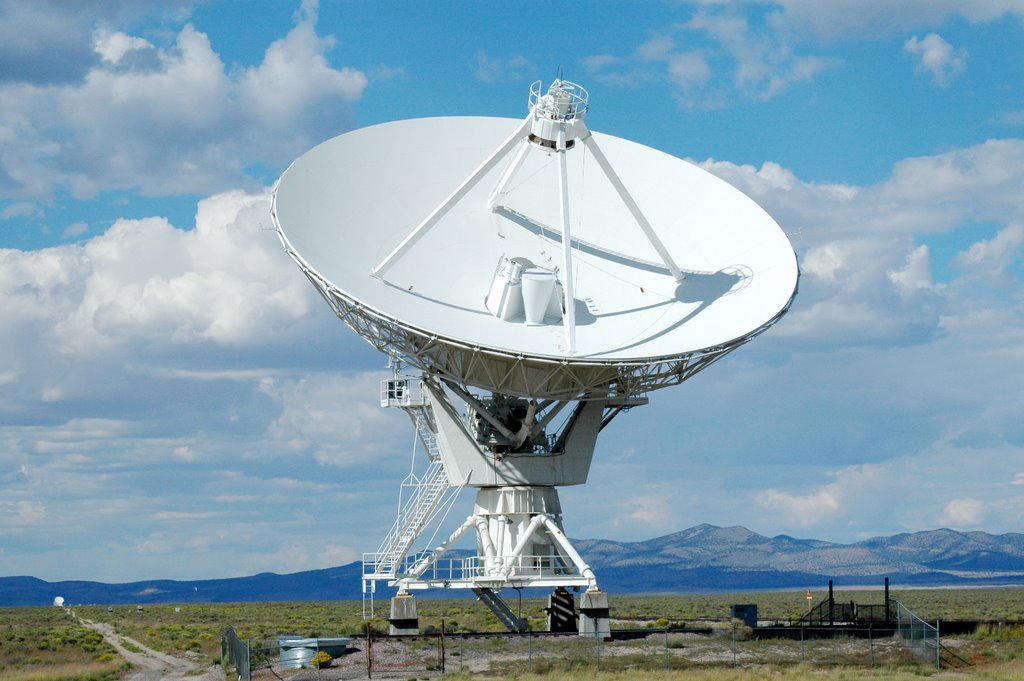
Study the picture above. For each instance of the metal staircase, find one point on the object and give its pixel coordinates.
(421, 495)
(500, 608)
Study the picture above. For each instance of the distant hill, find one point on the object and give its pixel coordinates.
(710, 558)
(704, 558)
(337, 583)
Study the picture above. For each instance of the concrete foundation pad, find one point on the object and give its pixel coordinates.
(594, 614)
(404, 619)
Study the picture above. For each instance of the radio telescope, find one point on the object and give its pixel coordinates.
(544, 276)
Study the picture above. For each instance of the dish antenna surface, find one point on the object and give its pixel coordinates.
(547, 276)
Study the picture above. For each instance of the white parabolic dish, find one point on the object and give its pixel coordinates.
(344, 206)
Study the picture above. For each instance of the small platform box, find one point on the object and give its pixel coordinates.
(402, 392)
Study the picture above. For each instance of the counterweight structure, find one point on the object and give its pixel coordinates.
(540, 277)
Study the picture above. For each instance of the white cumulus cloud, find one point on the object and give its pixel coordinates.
(996, 254)
(838, 19)
(867, 278)
(335, 417)
(173, 119)
(145, 280)
(491, 69)
(937, 57)
(112, 46)
(739, 60)
(961, 513)
(916, 275)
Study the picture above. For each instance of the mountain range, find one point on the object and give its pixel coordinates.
(709, 558)
(704, 559)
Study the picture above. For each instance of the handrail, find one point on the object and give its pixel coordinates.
(563, 100)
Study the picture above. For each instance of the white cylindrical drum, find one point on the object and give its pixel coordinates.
(538, 286)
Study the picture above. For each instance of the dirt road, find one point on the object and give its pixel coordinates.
(151, 665)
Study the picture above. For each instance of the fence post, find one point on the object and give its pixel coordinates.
(369, 650)
(667, 665)
(871, 645)
(248, 659)
(938, 647)
(441, 642)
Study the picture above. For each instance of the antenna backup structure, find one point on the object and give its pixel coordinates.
(547, 278)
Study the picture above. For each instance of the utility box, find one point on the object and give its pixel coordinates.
(746, 613)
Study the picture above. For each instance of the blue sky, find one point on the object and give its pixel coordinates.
(173, 393)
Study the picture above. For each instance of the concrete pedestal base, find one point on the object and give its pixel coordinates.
(404, 619)
(594, 614)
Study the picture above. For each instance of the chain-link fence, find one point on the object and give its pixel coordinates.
(724, 645)
(235, 652)
(919, 636)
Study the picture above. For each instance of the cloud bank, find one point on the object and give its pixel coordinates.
(170, 119)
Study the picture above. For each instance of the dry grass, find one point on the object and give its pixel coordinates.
(40, 644)
(80, 671)
(995, 672)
